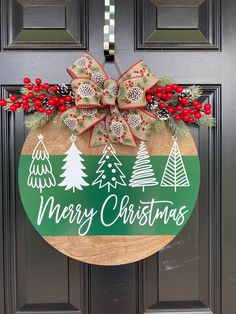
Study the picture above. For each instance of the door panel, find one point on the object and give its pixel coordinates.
(195, 272)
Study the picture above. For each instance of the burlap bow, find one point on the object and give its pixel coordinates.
(113, 109)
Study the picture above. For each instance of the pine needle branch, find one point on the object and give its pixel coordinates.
(164, 80)
(36, 120)
(207, 121)
(195, 91)
(178, 128)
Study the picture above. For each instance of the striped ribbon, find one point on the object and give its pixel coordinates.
(109, 30)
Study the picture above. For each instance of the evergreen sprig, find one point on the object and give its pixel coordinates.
(36, 120)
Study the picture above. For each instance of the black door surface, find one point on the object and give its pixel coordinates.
(191, 40)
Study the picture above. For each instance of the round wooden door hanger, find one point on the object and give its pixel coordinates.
(107, 205)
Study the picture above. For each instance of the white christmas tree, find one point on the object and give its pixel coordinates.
(175, 174)
(109, 173)
(73, 168)
(40, 170)
(143, 174)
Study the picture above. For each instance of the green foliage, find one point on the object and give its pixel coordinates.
(58, 121)
(36, 120)
(178, 128)
(205, 120)
(164, 80)
(196, 91)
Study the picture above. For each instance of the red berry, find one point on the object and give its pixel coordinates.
(13, 98)
(185, 118)
(148, 97)
(30, 95)
(24, 97)
(24, 101)
(46, 86)
(179, 89)
(185, 111)
(184, 101)
(26, 80)
(164, 96)
(179, 107)
(38, 102)
(159, 95)
(159, 89)
(17, 105)
(191, 111)
(169, 95)
(170, 109)
(197, 115)
(3, 102)
(194, 103)
(162, 105)
(168, 88)
(54, 89)
(12, 108)
(174, 86)
(190, 119)
(41, 109)
(151, 91)
(49, 112)
(207, 106)
(55, 98)
(62, 108)
(29, 87)
(38, 81)
(51, 102)
(36, 107)
(177, 117)
(26, 107)
(68, 98)
(207, 112)
(199, 106)
(62, 101)
(42, 96)
(36, 89)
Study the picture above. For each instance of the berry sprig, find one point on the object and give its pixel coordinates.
(177, 102)
(41, 97)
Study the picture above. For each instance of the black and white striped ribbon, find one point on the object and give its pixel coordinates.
(109, 30)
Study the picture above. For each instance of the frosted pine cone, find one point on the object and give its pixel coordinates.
(116, 128)
(97, 78)
(112, 90)
(186, 93)
(163, 114)
(71, 123)
(63, 90)
(84, 90)
(134, 93)
(81, 62)
(134, 120)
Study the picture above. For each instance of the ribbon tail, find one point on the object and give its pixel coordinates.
(81, 120)
(140, 122)
(118, 128)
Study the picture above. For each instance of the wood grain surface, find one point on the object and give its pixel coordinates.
(109, 250)
(106, 250)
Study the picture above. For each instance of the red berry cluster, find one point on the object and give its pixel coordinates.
(36, 95)
(181, 107)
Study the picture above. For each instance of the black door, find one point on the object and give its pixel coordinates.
(191, 40)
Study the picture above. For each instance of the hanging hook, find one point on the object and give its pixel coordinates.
(109, 30)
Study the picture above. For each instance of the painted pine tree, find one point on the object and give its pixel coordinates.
(73, 168)
(109, 172)
(143, 174)
(175, 173)
(40, 170)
